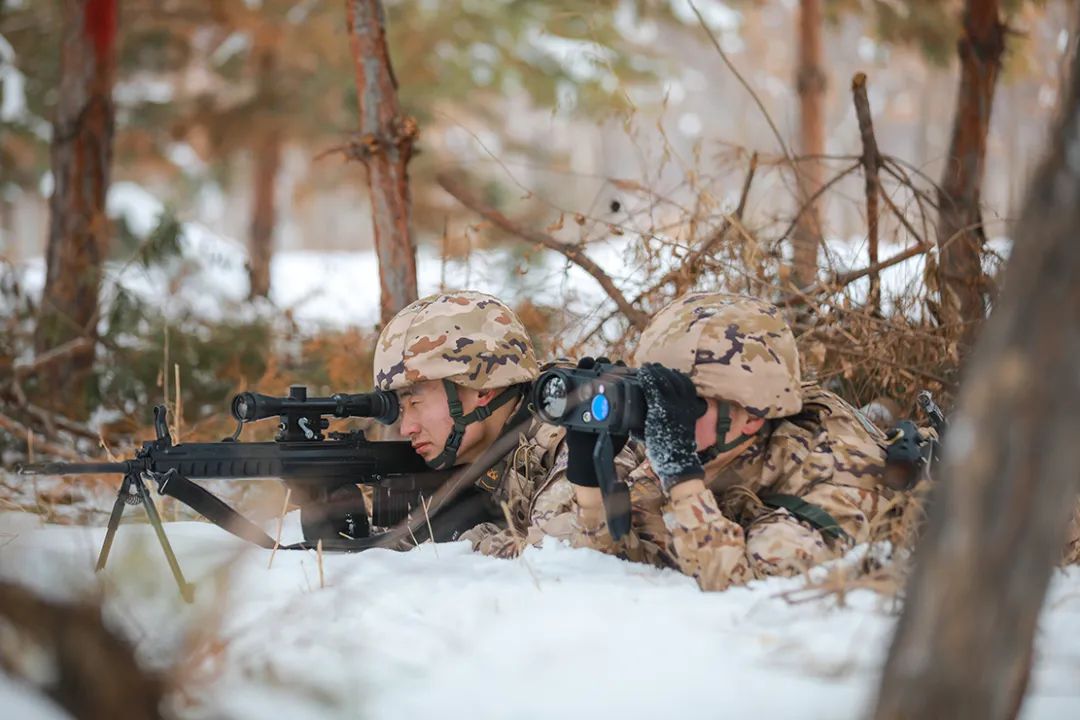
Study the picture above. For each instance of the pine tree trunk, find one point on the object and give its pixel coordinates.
(385, 148)
(961, 282)
(810, 81)
(997, 522)
(78, 228)
(266, 151)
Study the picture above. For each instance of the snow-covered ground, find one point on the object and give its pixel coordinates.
(440, 631)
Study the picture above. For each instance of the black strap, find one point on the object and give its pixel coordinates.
(448, 456)
(808, 511)
(723, 427)
(212, 508)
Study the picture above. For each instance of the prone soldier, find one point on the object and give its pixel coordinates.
(461, 363)
(754, 473)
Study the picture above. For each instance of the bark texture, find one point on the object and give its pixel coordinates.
(1009, 483)
(385, 148)
(962, 284)
(81, 156)
(871, 162)
(266, 151)
(68, 653)
(810, 82)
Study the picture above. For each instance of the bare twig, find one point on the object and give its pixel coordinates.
(39, 444)
(694, 258)
(49, 356)
(280, 525)
(427, 518)
(841, 280)
(810, 200)
(745, 84)
(318, 556)
(571, 252)
(60, 421)
(871, 162)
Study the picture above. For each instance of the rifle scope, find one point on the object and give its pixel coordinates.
(603, 398)
(379, 404)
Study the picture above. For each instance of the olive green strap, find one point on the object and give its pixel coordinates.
(811, 513)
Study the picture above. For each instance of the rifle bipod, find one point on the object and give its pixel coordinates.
(133, 491)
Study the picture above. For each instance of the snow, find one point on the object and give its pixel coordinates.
(558, 632)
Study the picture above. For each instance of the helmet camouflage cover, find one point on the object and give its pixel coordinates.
(469, 338)
(734, 348)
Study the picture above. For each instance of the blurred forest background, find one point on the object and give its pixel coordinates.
(199, 197)
(587, 162)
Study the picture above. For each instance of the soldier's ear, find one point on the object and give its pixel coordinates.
(752, 424)
(483, 397)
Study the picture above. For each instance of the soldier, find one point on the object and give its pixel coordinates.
(462, 363)
(760, 474)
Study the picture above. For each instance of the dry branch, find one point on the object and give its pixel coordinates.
(52, 355)
(871, 162)
(17, 429)
(572, 253)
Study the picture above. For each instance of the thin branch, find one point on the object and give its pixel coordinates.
(60, 351)
(810, 201)
(18, 430)
(745, 84)
(571, 252)
(871, 162)
(841, 280)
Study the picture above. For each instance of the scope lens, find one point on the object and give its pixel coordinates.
(241, 408)
(553, 397)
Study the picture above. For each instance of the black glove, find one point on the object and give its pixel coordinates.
(580, 445)
(673, 408)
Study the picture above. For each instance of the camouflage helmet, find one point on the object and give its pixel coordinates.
(734, 348)
(468, 338)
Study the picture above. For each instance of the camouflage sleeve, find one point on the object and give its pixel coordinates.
(705, 544)
(646, 540)
(489, 539)
(778, 543)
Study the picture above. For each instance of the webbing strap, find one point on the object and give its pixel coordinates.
(212, 508)
(462, 420)
(808, 511)
(723, 427)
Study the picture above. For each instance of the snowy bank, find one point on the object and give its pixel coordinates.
(439, 630)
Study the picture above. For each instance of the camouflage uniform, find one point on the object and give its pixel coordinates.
(813, 448)
(474, 340)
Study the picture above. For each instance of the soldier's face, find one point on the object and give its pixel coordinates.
(741, 423)
(426, 421)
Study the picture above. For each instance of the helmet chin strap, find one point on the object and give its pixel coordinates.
(448, 456)
(723, 427)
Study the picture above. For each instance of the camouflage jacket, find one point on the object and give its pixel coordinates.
(826, 455)
(531, 488)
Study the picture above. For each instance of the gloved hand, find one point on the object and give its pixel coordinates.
(580, 445)
(673, 408)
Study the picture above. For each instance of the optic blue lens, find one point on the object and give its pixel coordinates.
(600, 407)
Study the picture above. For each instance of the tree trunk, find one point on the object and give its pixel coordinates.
(810, 81)
(998, 515)
(266, 161)
(962, 285)
(67, 652)
(385, 148)
(78, 228)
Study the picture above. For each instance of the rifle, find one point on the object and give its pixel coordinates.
(911, 454)
(322, 472)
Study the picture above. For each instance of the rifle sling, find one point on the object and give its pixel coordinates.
(213, 509)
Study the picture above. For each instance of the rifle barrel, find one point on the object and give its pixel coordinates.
(63, 468)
